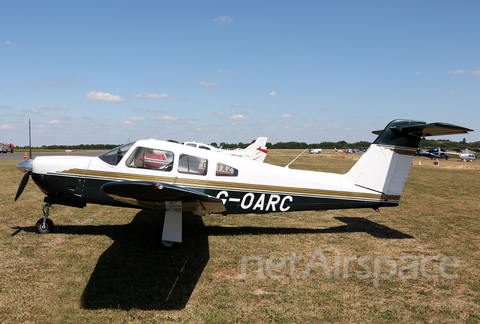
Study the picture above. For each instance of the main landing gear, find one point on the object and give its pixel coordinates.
(45, 224)
(171, 237)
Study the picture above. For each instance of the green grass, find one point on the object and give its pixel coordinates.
(101, 264)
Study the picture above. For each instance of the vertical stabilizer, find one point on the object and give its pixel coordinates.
(257, 150)
(385, 166)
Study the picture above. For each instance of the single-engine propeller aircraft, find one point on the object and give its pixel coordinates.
(186, 179)
(256, 150)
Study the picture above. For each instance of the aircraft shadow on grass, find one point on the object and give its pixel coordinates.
(133, 274)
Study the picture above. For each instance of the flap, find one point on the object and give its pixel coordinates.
(152, 195)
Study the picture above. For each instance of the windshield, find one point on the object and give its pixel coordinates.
(115, 155)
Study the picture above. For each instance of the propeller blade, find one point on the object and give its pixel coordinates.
(23, 183)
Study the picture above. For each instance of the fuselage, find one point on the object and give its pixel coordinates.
(243, 185)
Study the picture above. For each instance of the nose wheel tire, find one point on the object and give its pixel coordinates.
(46, 228)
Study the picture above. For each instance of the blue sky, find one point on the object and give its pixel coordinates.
(230, 71)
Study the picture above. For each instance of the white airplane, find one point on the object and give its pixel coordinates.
(257, 150)
(176, 179)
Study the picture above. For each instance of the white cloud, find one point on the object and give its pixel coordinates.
(136, 96)
(224, 19)
(156, 96)
(55, 121)
(33, 111)
(272, 94)
(103, 96)
(243, 105)
(176, 98)
(61, 117)
(465, 71)
(198, 129)
(206, 84)
(6, 127)
(53, 108)
(287, 116)
(166, 117)
(239, 117)
(136, 118)
(132, 120)
(418, 73)
(5, 107)
(8, 42)
(216, 113)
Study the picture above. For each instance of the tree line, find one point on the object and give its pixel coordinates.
(424, 143)
(100, 147)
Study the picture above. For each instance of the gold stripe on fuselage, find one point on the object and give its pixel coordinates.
(227, 185)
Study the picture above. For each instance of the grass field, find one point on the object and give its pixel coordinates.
(415, 263)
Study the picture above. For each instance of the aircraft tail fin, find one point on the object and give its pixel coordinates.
(257, 150)
(385, 165)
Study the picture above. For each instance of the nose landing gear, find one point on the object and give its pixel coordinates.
(45, 225)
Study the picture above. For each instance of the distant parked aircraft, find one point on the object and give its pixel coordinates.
(466, 157)
(257, 150)
(436, 153)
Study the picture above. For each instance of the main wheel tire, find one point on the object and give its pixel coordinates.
(165, 245)
(48, 228)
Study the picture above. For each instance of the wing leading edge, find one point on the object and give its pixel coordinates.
(152, 195)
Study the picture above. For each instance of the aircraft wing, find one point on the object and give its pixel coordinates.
(152, 195)
(432, 129)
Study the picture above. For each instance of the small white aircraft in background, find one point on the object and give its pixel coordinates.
(466, 157)
(175, 178)
(257, 150)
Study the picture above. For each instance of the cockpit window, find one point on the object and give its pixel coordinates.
(148, 158)
(192, 164)
(115, 155)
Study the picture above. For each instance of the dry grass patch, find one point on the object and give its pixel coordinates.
(101, 265)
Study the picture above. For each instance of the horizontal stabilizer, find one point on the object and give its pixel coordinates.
(432, 129)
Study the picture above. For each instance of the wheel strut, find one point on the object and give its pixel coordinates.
(46, 210)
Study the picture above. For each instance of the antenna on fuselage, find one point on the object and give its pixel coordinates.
(29, 140)
(295, 158)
